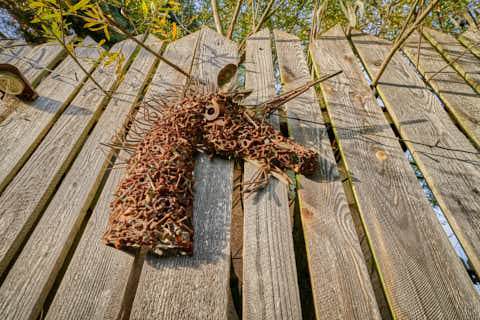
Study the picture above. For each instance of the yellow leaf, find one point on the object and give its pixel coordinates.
(96, 29)
(144, 8)
(36, 4)
(105, 29)
(101, 42)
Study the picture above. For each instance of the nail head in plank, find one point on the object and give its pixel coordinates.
(24, 129)
(96, 279)
(27, 194)
(270, 286)
(447, 159)
(420, 271)
(466, 64)
(195, 287)
(340, 281)
(460, 99)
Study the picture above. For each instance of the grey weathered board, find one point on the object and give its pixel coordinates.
(17, 50)
(25, 197)
(339, 277)
(447, 159)
(34, 62)
(471, 39)
(460, 99)
(95, 282)
(420, 271)
(24, 128)
(270, 287)
(461, 58)
(195, 287)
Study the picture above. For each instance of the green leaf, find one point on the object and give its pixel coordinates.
(36, 4)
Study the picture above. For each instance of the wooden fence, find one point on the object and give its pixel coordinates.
(55, 186)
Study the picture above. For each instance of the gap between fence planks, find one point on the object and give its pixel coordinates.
(23, 129)
(467, 65)
(420, 272)
(452, 176)
(459, 98)
(340, 281)
(471, 39)
(270, 286)
(195, 287)
(97, 276)
(26, 196)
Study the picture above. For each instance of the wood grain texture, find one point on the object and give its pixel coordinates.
(270, 287)
(452, 169)
(461, 59)
(94, 283)
(15, 53)
(195, 287)
(340, 281)
(33, 61)
(471, 39)
(459, 98)
(420, 271)
(24, 128)
(27, 194)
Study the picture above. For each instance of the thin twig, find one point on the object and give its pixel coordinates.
(266, 15)
(409, 18)
(234, 19)
(420, 30)
(466, 50)
(89, 76)
(216, 17)
(130, 36)
(400, 42)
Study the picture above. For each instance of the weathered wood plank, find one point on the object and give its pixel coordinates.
(27, 194)
(270, 287)
(421, 273)
(195, 287)
(459, 98)
(17, 50)
(340, 281)
(471, 40)
(33, 61)
(448, 161)
(88, 289)
(461, 59)
(24, 128)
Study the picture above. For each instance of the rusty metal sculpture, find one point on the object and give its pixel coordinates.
(153, 205)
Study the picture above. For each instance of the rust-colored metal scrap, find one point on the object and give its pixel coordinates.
(153, 205)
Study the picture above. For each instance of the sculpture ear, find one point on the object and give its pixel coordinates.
(225, 76)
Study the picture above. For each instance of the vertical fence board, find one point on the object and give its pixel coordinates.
(22, 130)
(270, 288)
(460, 99)
(195, 287)
(448, 161)
(419, 270)
(471, 39)
(340, 281)
(85, 290)
(25, 197)
(462, 59)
